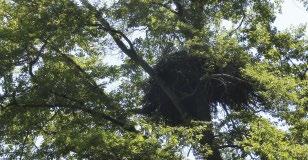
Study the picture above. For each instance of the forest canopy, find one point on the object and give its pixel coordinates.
(151, 79)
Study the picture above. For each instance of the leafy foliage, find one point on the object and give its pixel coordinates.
(60, 98)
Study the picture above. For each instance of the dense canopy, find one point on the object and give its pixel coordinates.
(151, 79)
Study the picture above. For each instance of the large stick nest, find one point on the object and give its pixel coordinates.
(199, 84)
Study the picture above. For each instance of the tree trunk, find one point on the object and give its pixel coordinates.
(203, 113)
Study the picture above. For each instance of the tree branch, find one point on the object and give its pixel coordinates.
(240, 24)
(94, 113)
(31, 63)
(130, 52)
(94, 86)
(228, 76)
(108, 102)
(230, 146)
(97, 114)
(39, 53)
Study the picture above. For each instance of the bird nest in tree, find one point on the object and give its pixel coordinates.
(199, 85)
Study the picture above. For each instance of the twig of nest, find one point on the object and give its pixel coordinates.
(199, 84)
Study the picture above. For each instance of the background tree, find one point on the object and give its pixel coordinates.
(185, 81)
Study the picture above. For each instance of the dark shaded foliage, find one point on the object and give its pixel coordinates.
(200, 86)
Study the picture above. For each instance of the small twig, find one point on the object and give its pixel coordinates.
(188, 153)
(229, 76)
(230, 146)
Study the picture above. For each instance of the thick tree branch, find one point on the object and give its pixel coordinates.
(97, 114)
(107, 101)
(130, 52)
(92, 84)
(32, 62)
(91, 112)
(39, 54)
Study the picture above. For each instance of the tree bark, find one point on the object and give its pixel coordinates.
(203, 113)
(131, 53)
